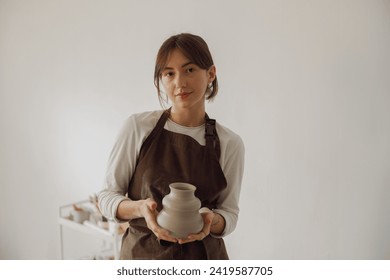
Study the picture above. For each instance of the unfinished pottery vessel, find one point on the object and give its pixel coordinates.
(180, 214)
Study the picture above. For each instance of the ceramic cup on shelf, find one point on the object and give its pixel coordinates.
(79, 216)
(180, 214)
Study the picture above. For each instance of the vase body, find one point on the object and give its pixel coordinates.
(180, 214)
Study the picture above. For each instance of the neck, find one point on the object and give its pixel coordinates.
(187, 117)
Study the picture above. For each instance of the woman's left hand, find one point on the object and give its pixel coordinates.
(207, 220)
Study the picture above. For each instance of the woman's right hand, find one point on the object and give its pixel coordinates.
(148, 210)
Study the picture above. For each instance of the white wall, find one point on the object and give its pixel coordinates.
(305, 83)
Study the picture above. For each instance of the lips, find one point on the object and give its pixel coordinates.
(183, 94)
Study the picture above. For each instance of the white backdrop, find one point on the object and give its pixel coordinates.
(305, 83)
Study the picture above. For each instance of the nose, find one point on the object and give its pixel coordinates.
(180, 81)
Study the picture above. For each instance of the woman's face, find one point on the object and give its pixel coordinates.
(184, 82)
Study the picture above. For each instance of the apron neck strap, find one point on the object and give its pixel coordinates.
(212, 139)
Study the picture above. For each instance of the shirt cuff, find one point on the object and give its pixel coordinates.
(115, 210)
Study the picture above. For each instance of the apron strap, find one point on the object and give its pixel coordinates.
(211, 135)
(212, 139)
(160, 123)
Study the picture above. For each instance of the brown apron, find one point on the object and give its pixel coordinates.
(167, 157)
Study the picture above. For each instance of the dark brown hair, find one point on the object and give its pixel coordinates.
(194, 48)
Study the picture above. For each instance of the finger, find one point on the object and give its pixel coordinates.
(165, 235)
(207, 218)
(189, 239)
(199, 236)
(149, 213)
(194, 237)
(160, 232)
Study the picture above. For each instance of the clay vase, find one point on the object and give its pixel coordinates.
(180, 214)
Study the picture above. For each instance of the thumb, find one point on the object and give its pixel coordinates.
(152, 205)
(208, 217)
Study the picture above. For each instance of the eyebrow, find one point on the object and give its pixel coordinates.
(184, 65)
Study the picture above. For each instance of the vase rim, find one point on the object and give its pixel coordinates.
(181, 186)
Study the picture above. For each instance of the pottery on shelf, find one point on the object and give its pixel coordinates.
(180, 214)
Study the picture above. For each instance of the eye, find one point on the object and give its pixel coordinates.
(168, 74)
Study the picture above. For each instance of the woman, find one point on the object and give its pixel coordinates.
(181, 144)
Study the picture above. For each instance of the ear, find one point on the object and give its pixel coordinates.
(212, 73)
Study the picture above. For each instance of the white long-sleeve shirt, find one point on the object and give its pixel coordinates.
(123, 158)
